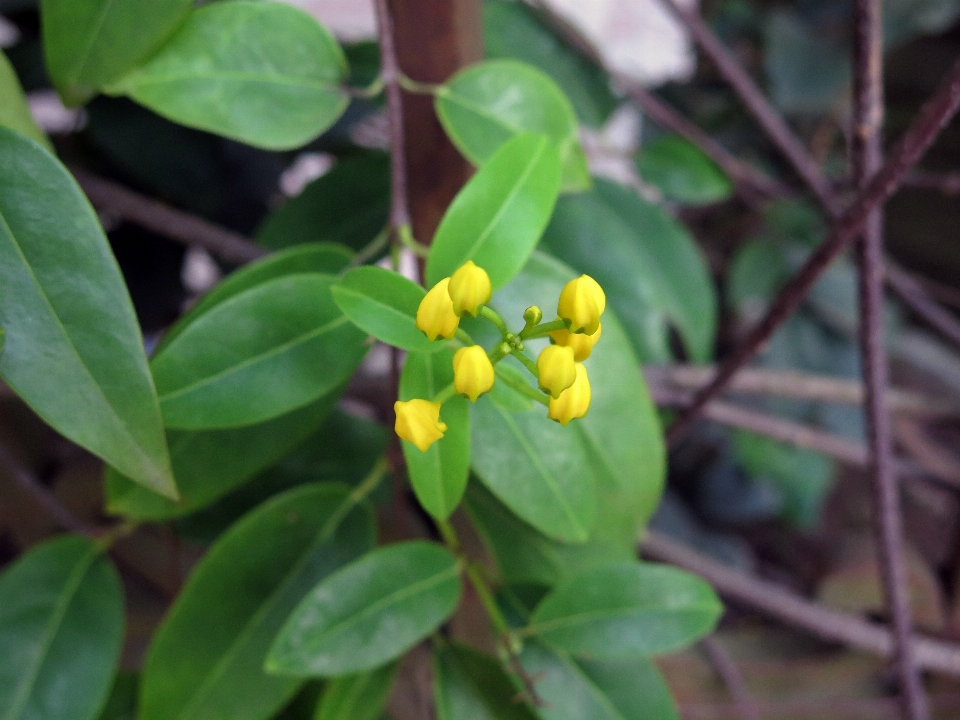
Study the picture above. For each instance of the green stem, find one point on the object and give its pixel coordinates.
(371, 481)
(370, 91)
(494, 317)
(421, 88)
(408, 241)
(543, 329)
(372, 248)
(527, 363)
(464, 337)
(448, 392)
(120, 530)
(451, 540)
(524, 389)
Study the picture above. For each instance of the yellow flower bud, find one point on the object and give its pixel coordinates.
(532, 316)
(574, 401)
(472, 372)
(418, 421)
(469, 289)
(581, 304)
(582, 344)
(557, 369)
(435, 316)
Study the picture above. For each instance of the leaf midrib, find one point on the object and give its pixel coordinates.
(56, 618)
(253, 360)
(583, 618)
(143, 79)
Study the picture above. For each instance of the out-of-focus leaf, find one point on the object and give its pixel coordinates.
(513, 30)
(469, 685)
(122, 702)
(262, 73)
(356, 697)
(206, 661)
(259, 354)
(486, 104)
(210, 463)
(626, 610)
(496, 220)
(370, 612)
(61, 627)
(90, 43)
(683, 172)
(439, 475)
(14, 111)
(68, 318)
(648, 264)
(348, 205)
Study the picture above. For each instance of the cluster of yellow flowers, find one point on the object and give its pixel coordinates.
(559, 368)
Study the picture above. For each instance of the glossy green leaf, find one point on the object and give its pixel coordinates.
(310, 258)
(14, 111)
(206, 661)
(266, 74)
(621, 436)
(61, 627)
(539, 469)
(514, 30)
(356, 697)
(469, 685)
(496, 220)
(90, 43)
(348, 205)
(626, 610)
(259, 354)
(210, 463)
(67, 315)
(370, 612)
(439, 475)
(384, 304)
(649, 265)
(683, 172)
(486, 104)
(597, 690)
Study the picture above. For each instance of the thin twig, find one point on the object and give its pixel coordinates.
(390, 74)
(913, 293)
(728, 671)
(25, 479)
(798, 385)
(796, 611)
(921, 133)
(887, 516)
(945, 183)
(164, 220)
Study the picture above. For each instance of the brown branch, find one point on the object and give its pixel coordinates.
(791, 609)
(945, 183)
(727, 669)
(164, 220)
(887, 516)
(798, 385)
(913, 293)
(390, 74)
(909, 149)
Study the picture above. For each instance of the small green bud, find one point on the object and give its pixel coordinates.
(532, 316)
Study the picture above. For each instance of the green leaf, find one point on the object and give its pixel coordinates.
(513, 30)
(61, 628)
(470, 685)
(74, 351)
(439, 475)
(486, 104)
(348, 205)
(597, 690)
(206, 661)
(496, 220)
(539, 469)
(14, 111)
(266, 74)
(90, 43)
(357, 697)
(370, 612)
(122, 701)
(210, 463)
(626, 610)
(647, 262)
(621, 436)
(683, 172)
(262, 353)
(383, 304)
(310, 258)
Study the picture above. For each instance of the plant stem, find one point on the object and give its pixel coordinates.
(408, 241)
(543, 329)
(448, 392)
(524, 389)
(527, 362)
(494, 317)
(421, 88)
